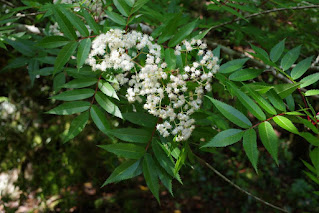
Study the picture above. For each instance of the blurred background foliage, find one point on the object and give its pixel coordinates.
(57, 177)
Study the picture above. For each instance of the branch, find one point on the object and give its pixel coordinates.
(238, 187)
(8, 3)
(259, 64)
(266, 12)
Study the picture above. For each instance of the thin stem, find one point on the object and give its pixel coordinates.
(97, 86)
(266, 12)
(268, 119)
(7, 3)
(93, 36)
(238, 187)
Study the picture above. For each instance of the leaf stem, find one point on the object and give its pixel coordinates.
(97, 86)
(202, 161)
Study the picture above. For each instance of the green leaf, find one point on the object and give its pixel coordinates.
(286, 124)
(310, 138)
(201, 35)
(107, 89)
(58, 81)
(269, 139)
(312, 177)
(258, 87)
(165, 179)
(310, 167)
(314, 156)
(245, 74)
(126, 150)
(233, 65)
(33, 67)
(312, 92)
(170, 58)
(138, 4)
(122, 7)
(77, 126)
(64, 56)
(261, 53)
(64, 24)
(249, 103)
(74, 95)
(131, 135)
(76, 22)
(53, 41)
(83, 52)
(150, 175)
(275, 100)
(99, 119)
(80, 83)
(310, 79)
(225, 138)
(108, 105)
(130, 2)
(25, 47)
(182, 33)
(91, 22)
(181, 159)
(126, 170)
(163, 159)
(216, 51)
(284, 90)
(2, 45)
(117, 18)
(70, 108)
(262, 102)
(277, 51)
(290, 58)
(301, 68)
(308, 124)
(250, 147)
(290, 102)
(231, 113)
(140, 118)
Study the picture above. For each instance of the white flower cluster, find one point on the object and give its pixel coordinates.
(171, 94)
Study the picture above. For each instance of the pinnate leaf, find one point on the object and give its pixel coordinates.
(77, 126)
(70, 108)
(250, 146)
(290, 58)
(74, 95)
(231, 113)
(277, 51)
(286, 124)
(126, 170)
(99, 119)
(225, 138)
(301, 68)
(269, 139)
(150, 175)
(126, 150)
(131, 135)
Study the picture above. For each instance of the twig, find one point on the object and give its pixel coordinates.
(265, 12)
(29, 14)
(238, 187)
(7, 3)
(97, 86)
